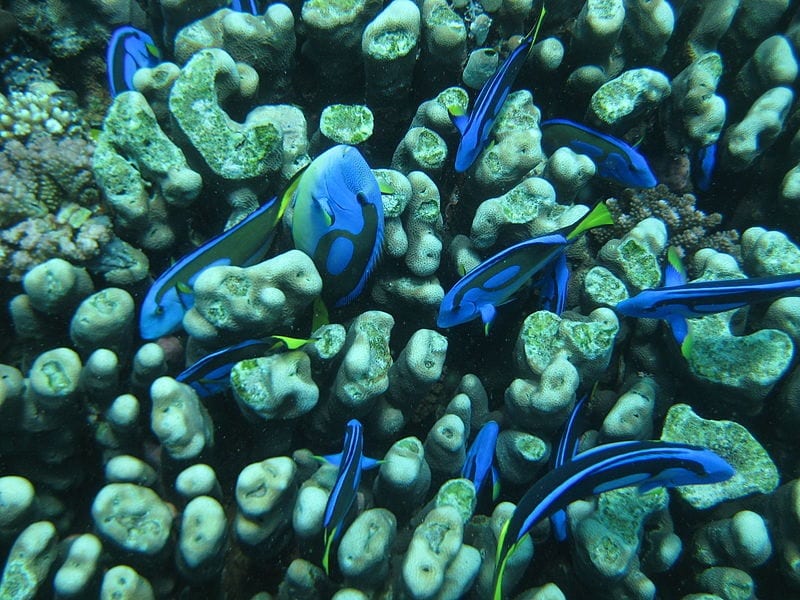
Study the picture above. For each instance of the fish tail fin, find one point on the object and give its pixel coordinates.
(499, 571)
(598, 216)
(320, 317)
(500, 541)
(326, 555)
(458, 116)
(534, 32)
(675, 271)
(687, 346)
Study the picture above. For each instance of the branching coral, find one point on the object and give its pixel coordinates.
(72, 234)
(689, 228)
(37, 176)
(48, 197)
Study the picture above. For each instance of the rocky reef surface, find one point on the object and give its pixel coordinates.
(118, 481)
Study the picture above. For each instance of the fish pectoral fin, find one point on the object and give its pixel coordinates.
(369, 463)
(558, 521)
(325, 206)
(488, 312)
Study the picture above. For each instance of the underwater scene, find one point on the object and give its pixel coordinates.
(399, 299)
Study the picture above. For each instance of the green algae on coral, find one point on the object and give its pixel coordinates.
(754, 470)
(460, 494)
(230, 149)
(346, 123)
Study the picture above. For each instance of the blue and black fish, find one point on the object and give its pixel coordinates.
(678, 300)
(211, 374)
(646, 465)
(615, 160)
(245, 6)
(479, 463)
(567, 448)
(244, 244)
(129, 49)
(704, 166)
(476, 128)
(498, 279)
(343, 495)
(338, 221)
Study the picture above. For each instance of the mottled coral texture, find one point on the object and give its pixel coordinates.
(49, 202)
(689, 227)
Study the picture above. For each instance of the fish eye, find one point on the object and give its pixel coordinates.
(159, 310)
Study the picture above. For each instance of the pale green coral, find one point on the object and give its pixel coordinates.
(232, 150)
(754, 470)
(609, 539)
(636, 256)
(629, 94)
(747, 365)
(586, 341)
(460, 494)
(346, 123)
(601, 286)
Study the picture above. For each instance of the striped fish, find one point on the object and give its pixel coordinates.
(128, 50)
(343, 495)
(476, 128)
(646, 465)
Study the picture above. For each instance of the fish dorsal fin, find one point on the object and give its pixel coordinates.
(675, 271)
(599, 215)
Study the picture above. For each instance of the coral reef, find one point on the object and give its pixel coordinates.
(120, 480)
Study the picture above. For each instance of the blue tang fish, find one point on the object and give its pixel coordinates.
(646, 465)
(703, 166)
(129, 49)
(343, 495)
(678, 300)
(248, 6)
(210, 374)
(476, 128)
(338, 221)
(567, 448)
(479, 464)
(497, 279)
(614, 159)
(244, 244)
